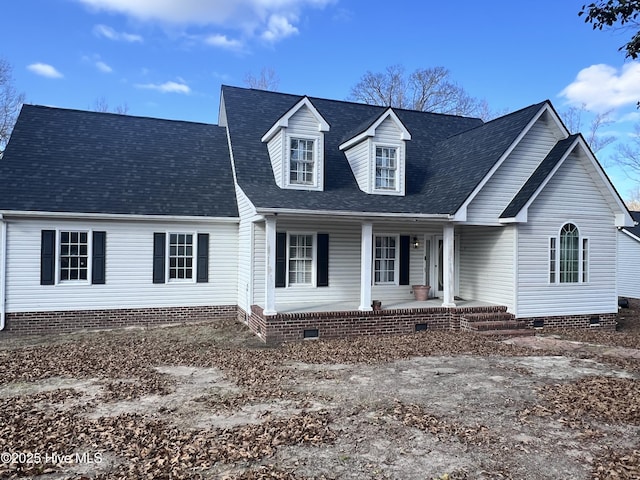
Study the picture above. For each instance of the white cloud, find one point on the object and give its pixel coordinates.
(109, 33)
(272, 20)
(167, 87)
(44, 70)
(602, 87)
(221, 41)
(278, 28)
(103, 67)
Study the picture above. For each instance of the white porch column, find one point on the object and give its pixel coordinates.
(366, 254)
(270, 267)
(448, 267)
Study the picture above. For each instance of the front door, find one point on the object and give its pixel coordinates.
(437, 272)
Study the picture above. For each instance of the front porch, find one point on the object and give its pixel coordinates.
(295, 322)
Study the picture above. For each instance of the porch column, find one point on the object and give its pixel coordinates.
(366, 254)
(448, 267)
(270, 267)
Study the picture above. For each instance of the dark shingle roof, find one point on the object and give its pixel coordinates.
(60, 160)
(538, 177)
(634, 230)
(445, 160)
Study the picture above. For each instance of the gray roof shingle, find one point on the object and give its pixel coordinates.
(634, 230)
(445, 160)
(538, 177)
(60, 160)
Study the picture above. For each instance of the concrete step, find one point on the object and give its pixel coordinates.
(527, 332)
(497, 325)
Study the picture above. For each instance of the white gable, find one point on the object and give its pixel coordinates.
(387, 135)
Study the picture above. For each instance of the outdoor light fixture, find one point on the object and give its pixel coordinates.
(415, 242)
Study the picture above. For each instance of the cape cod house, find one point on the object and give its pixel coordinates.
(297, 214)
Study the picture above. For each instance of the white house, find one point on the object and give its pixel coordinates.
(295, 213)
(629, 260)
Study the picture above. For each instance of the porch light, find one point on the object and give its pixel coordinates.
(415, 242)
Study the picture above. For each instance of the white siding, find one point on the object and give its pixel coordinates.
(344, 262)
(358, 157)
(573, 196)
(247, 212)
(628, 266)
(498, 192)
(487, 264)
(276, 154)
(129, 268)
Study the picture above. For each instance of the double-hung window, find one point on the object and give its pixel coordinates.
(569, 256)
(74, 255)
(386, 168)
(385, 260)
(301, 161)
(180, 256)
(300, 259)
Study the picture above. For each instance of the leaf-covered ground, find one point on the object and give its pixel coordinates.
(210, 401)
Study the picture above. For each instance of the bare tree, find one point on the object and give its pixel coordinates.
(428, 90)
(573, 120)
(102, 105)
(267, 80)
(10, 103)
(627, 154)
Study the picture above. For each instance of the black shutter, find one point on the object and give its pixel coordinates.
(48, 257)
(202, 274)
(281, 259)
(322, 275)
(159, 240)
(98, 265)
(405, 245)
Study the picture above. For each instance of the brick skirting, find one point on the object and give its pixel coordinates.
(606, 321)
(29, 323)
(292, 326)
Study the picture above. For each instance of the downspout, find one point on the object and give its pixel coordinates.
(3, 270)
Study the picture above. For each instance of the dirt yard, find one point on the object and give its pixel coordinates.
(210, 401)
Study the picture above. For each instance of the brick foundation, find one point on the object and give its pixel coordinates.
(605, 321)
(30, 323)
(291, 326)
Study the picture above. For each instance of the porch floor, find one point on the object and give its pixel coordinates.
(390, 305)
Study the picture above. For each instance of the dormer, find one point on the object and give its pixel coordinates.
(296, 147)
(377, 154)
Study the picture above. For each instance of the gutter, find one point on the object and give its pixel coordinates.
(112, 216)
(3, 270)
(361, 215)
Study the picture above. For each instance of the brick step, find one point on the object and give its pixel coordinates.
(520, 332)
(487, 317)
(497, 325)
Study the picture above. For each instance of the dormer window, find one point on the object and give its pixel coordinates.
(377, 155)
(301, 161)
(296, 147)
(386, 168)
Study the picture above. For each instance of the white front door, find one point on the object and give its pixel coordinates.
(437, 272)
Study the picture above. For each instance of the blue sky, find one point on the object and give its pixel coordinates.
(168, 58)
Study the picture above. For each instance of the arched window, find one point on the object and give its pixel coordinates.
(568, 256)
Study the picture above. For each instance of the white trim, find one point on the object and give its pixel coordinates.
(194, 258)
(581, 255)
(115, 216)
(58, 254)
(3, 271)
(270, 266)
(318, 162)
(399, 170)
(283, 122)
(626, 232)
(622, 218)
(396, 259)
(314, 256)
(461, 213)
(350, 213)
(371, 131)
(366, 270)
